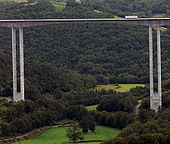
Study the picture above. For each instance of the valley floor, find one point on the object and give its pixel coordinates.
(57, 136)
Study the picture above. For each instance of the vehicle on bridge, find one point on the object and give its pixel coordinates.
(131, 17)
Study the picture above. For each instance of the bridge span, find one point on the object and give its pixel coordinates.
(155, 96)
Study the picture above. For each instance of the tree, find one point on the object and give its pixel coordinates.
(74, 134)
(87, 123)
(76, 112)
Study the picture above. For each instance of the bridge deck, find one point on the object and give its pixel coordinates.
(37, 22)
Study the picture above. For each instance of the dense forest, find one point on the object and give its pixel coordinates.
(64, 62)
(111, 53)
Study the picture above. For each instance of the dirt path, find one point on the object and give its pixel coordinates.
(8, 99)
(137, 109)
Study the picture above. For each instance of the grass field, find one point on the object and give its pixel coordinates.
(90, 108)
(98, 11)
(57, 136)
(58, 5)
(121, 88)
(140, 101)
(159, 15)
(117, 17)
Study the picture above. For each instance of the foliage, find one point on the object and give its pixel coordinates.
(74, 134)
(115, 120)
(117, 102)
(42, 78)
(76, 112)
(153, 130)
(87, 123)
(24, 116)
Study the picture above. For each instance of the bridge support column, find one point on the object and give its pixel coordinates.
(155, 97)
(14, 64)
(159, 66)
(18, 93)
(21, 39)
(151, 66)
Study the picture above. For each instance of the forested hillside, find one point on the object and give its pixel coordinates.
(63, 63)
(111, 53)
(42, 78)
(142, 8)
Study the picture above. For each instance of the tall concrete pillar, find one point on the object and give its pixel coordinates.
(155, 97)
(159, 65)
(151, 66)
(14, 64)
(18, 95)
(21, 41)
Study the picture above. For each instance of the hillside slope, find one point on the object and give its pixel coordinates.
(111, 53)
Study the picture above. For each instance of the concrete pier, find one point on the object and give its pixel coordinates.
(155, 97)
(151, 66)
(159, 65)
(14, 64)
(21, 40)
(18, 95)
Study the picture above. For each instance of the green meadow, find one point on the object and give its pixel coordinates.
(58, 5)
(91, 108)
(117, 17)
(57, 136)
(119, 88)
(98, 11)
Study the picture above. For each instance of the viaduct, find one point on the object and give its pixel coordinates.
(155, 96)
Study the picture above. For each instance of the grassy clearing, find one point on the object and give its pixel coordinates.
(91, 108)
(163, 29)
(140, 101)
(127, 87)
(58, 5)
(98, 11)
(57, 136)
(159, 15)
(120, 88)
(117, 17)
(29, 4)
